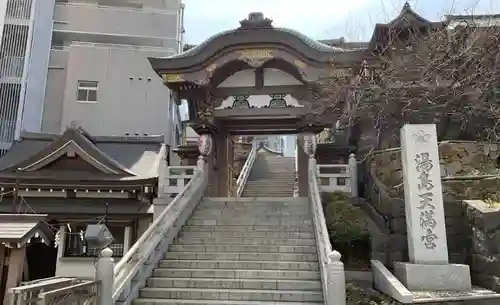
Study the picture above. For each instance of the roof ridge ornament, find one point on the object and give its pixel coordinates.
(256, 20)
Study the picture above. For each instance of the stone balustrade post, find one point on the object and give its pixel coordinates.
(105, 273)
(353, 175)
(336, 280)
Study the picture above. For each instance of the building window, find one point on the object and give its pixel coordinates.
(75, 245)
(87, 91)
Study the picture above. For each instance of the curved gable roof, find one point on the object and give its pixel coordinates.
(254, 30)
(117, 158)
(407, 18)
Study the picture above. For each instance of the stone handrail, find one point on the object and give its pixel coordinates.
(131, 272)
(176, 179)
(269, 149)
(28, 292)
(245, 171)
(332, 269)
(83, 293)
(333, 172)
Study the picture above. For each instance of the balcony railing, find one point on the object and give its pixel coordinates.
(18, 9)
(12, 66)
(7, 131)
(124, 24)
(169, 51)
(135, 8)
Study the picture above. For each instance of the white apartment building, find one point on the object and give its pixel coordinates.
(86, 61)
(24, 55)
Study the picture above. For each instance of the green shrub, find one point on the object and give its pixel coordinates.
(345, 222)
(356, 295)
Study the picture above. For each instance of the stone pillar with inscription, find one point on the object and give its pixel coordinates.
(428, 269)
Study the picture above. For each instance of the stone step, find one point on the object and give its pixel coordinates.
(266, 159)
(251, 222)
(272, 169)
(269, 187)
(248, 256)
(249, 228)
(266, 188)
(256, 218)
(243, 248)
(255, 207)
(242, 204)
(281, 177)
(214, 283)
(276, 173)
(246, 234)
(272, 177)
(238, 274)
(247, 206)
(262, 200)
(258, 202)
(211, 213)
(233, 295)
(270, 193)
(225, 208)
(257, 241)
(241, 265)
(270, 184)
(213, 302)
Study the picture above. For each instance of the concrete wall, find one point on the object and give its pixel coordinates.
(131, 97)
(38, 62)
(108, 41)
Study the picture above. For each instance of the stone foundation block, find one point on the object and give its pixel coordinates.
(450, 277)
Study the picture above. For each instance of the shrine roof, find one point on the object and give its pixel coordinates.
(87, 158)
(16, 230)
(407, 18)
(255, 30)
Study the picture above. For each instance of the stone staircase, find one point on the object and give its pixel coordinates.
(271, 176)
(250, 251)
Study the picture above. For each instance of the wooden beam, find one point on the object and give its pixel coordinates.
(16, 266)
(232, 91)
(259, 78)
(2, 260)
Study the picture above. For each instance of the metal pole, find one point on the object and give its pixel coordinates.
(106, 213)
(15, 200)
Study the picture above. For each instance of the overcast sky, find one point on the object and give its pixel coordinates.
(319, 19)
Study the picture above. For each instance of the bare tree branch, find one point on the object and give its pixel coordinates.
(422, 75)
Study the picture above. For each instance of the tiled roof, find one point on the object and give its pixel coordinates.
(138, 155)
(17, 229)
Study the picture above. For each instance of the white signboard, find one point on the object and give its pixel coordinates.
(425, 218)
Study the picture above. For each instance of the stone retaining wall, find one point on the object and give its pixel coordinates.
(484, 226)
(467, 170)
